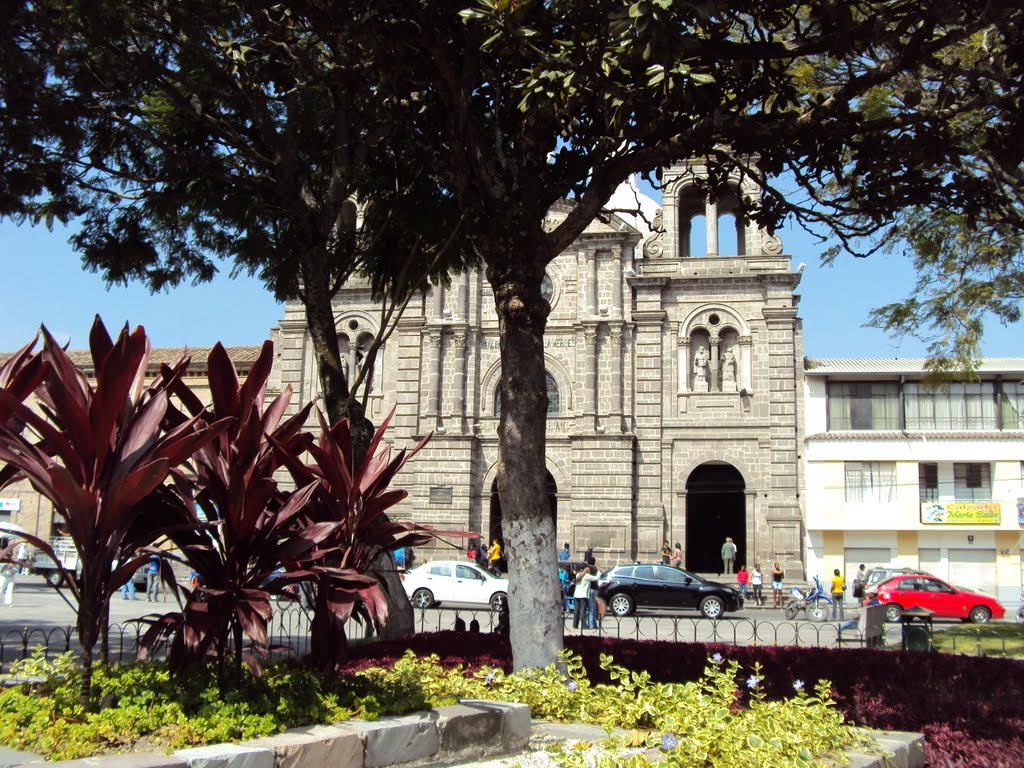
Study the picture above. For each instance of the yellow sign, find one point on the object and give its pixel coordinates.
(961, 513)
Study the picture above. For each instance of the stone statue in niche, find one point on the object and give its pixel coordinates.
(728, 365)
(700, 368)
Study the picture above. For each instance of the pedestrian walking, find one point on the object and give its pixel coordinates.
(838, 593)
(493, 556)
(128, 589)
(728, 555)
(757, 584)
(153, 579)
(859, 582)
(21, 555)
(666, 552)
(8, 574)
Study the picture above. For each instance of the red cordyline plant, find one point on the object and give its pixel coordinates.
(233, 524)
(355, 497)
(96, 453)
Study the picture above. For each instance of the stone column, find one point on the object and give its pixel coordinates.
(590, 377)
(616, 308)
(615, 411)
(744, 365)
(713, 385)
(677, 527)
(592, 283)
(433, 369)
(711, 220)
(750, 515)
(459, 382)
(684, 364)
(436, 301)
(462, 297)
(582, 283)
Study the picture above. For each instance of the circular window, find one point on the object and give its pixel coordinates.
(714, 319)
(547, 288)
(353, 324)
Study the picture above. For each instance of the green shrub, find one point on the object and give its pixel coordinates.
(714, 721)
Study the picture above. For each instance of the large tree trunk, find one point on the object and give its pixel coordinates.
(339, 403)
(534, 598)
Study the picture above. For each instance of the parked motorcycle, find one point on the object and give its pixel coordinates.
(815, 602)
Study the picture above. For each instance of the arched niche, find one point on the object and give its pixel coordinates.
(724, 337)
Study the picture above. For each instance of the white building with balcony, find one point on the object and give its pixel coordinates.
(900, 473)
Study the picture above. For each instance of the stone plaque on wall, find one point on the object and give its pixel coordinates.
(440, 494)
(784, 538)
(599, 536)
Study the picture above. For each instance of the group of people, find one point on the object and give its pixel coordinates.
(752, 583)
(491, 558)
(152, 571)
(672, 555)
(584, 595)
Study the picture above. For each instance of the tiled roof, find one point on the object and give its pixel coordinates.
(896, 435)
(823, 366)
(242, 357)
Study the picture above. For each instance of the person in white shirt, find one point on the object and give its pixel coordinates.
(581, 593)
(756, 582)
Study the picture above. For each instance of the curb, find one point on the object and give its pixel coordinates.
(473, 732)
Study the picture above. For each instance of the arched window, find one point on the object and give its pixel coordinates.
(554, 405)
(354, 342)
(732, 234)
(692, 228)
(554, 399)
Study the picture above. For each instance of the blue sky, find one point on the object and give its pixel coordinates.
(46, 284)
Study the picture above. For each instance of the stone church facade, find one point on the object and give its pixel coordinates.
(674, 375)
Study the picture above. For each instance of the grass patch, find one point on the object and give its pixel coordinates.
(998, 639)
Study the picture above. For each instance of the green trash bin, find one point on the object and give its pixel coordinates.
(917, 629)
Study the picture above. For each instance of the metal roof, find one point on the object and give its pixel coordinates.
(859, 366)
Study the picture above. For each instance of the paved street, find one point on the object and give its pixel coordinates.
(39, 608)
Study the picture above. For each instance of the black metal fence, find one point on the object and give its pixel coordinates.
(289, 633)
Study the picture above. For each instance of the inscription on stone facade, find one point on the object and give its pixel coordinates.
(440, 494)
(548, 342)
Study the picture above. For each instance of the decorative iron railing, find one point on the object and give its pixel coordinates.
(289, 633)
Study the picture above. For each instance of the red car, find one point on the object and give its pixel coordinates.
(942, 599)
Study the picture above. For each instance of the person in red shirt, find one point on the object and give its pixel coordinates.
(743, 579)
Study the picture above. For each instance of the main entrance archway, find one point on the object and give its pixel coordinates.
(715, 508)
(495, 531)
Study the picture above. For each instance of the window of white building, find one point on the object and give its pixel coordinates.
(956, 407)
(854, 405)
(1013, 405)
(871, 481)
(928, 481)
(972, 482)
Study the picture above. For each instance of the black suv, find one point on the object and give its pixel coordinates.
(628, 587)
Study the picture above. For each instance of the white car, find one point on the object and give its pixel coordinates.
(452, 581)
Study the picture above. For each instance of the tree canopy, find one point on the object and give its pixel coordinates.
(189, 137)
